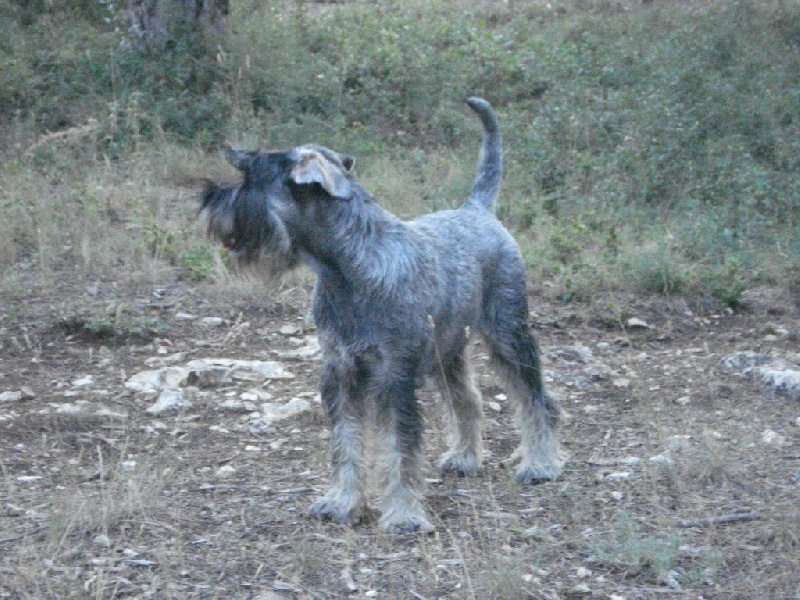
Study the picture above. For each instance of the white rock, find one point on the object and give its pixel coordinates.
(635, 323)
(159, 379)
(168, 402)
(289, 330)
(773, 438)
(274, 411)
(260, 426)
(781, 375)
(213, 321)
(225, 471)
(237, 406)
(207, 372)
(11, 396)
(83, 381)
(70, 408)
(661, 459)
(181, 316)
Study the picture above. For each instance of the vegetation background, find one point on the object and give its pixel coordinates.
(652, 159)
(652, 147)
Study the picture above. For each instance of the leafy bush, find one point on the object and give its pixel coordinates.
(619, 127)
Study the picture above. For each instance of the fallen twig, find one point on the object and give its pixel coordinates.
(735, 518)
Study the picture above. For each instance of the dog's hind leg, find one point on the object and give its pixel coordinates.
(400, 433)
(515, 356)
(344, 502)
(457, 385)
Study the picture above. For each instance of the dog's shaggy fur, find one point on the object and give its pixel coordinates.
(395, 302)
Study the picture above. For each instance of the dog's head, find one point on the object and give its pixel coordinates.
(257, 219)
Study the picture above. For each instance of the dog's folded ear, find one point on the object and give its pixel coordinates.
(328, 169)
(241, 159)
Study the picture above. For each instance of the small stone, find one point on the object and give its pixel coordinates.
(635, 323)
(274, 411)
(537, 533)
(83, 381)
(168, 402)
(225, 471)
(621, 382)
(582, 572)
(773, 438)
(102, 540)
(213, 321)
(11, 396)
(70, 409)
(603, 345)
(661, 459)
(27, 393)
(290, 330)
(495, 406)
(617, 495)
(181, 316)
(683, 400)
(234, 405)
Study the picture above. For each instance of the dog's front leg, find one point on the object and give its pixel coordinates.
(344, 501)
(400, 436)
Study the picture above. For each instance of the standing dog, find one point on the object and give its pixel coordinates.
(395, 302)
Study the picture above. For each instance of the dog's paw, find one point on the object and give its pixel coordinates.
(533, 474)
(329, 509)
(464, 464)
(410, 524)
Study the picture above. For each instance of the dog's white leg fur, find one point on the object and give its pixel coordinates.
(402, 510)
(539, 449)
(463, 399)
(344, 502)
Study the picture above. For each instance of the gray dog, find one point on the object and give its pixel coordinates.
(395, 302)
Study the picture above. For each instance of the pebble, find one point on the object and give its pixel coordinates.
(635, 323)
(169, 402)
(661, 459)
(213, 321)
(10, 396)
(773, 438)
(225, 471)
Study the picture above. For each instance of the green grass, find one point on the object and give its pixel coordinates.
(653, 150)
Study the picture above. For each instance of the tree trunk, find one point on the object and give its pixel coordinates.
(147, 17)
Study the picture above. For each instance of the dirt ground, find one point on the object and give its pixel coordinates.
(101, 499)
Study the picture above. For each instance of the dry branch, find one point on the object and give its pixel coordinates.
(735, 518)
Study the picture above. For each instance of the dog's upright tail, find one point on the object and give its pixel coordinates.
(490, 164)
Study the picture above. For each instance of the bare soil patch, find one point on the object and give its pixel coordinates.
(99, 498)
